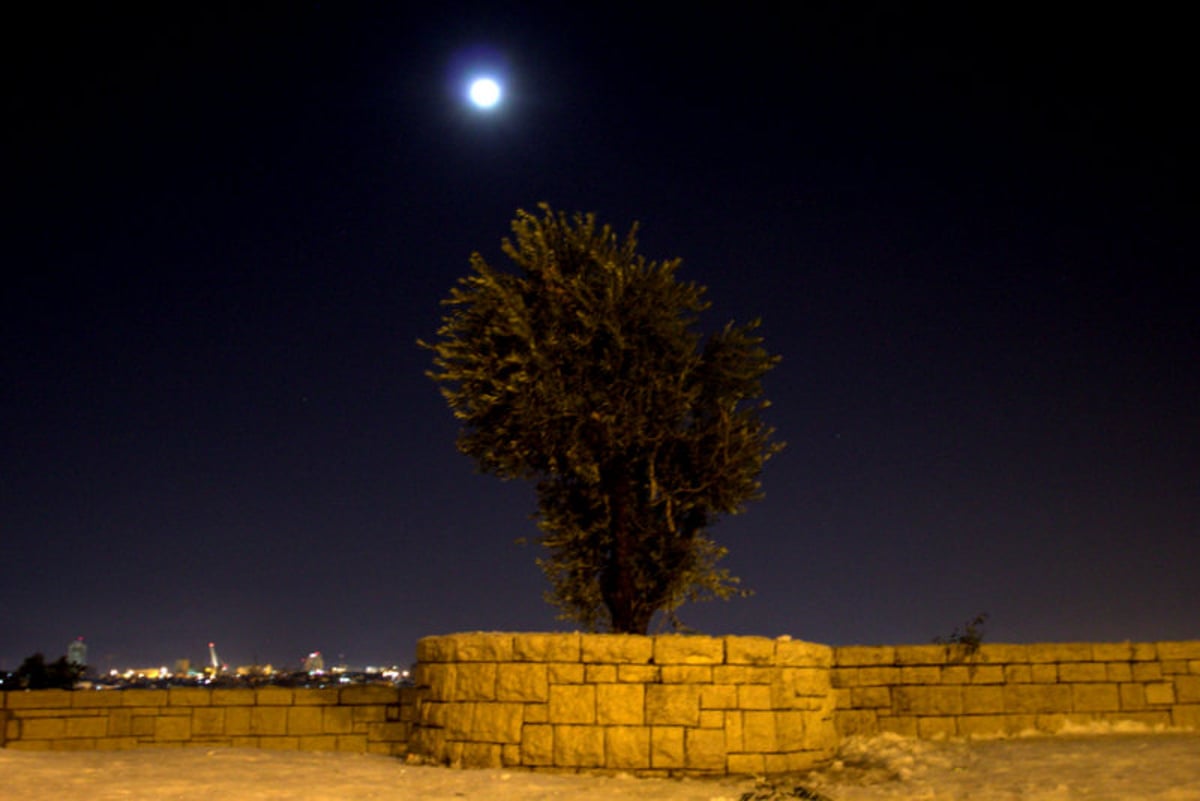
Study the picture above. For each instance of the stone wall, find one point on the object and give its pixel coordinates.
(935, 691)
(365, 719)
(666, 705)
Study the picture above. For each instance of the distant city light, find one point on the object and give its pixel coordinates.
(485, 93)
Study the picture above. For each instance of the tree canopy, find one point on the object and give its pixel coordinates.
(584, 372)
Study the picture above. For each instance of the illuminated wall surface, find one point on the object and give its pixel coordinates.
(662, 705)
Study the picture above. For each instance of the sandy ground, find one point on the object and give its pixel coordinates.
(1153, 767)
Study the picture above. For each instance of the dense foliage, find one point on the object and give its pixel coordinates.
(582, 372)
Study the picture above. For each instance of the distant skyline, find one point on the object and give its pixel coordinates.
(970, 234)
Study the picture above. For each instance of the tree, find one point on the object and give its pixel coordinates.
(35, 674)
(583, 373)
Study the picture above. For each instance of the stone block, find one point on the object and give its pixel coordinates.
(537, 713)
(522, 681)
(791, 731)
(959, 674)
(844, 677)
(620, 704)
(1112, 651)
(672, 705)
(704, 750)
(1033, 699)
(1133, 697)
(1186, 716)
(1060, 652)
(578, 746)
(936, 700)
(439, 678)
(37, 699)
(317, 742)
(188, 696)
(1045, 673)
(868, 676)
(480, 756)
(904, 725)
(981, 725)
(599, 674)
(983, 699)
(304, 721)
(1160, 693)
(626, 649)
(142, 697)
(666, 747)
(1072, 672)
(982, 674)
(483, 646)
(1018, 674)
(642, 674)
(749, 651)
(719, 696)
(743, 674)
(712, 718)
(458, 720)
(1180, 650)
(363, 694)
(758, 732)
(805, 681)
(686, 649)
(88, 700)
(921, 655)
(861, 655)
(564, 673)
(921, 674)
(92, 726)
(1187, 689)
(733, 732)
(238, 697)
(498, 723)
(323, 696)
(43, 728)
(475, 681)
(237, 720)
(851, 722)
(871, 697)
(1095, 698)
(537, 746)
(208, 721)
(687, 674)
(572, 703)
(368, 714)
(745, 765)
(510, 756)
(268, 720)
(1147, 671)
(627, 747)
(937, 728)
(273, 696)
(755, 696)
(1118, 671)
(797, 653)
(435, 649)
(547, 647)
(143, 725)
(176, 727)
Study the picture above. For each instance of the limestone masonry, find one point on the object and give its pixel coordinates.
(664, 705)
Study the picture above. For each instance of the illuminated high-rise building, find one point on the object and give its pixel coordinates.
(77, 652)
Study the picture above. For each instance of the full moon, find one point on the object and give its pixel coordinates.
(485, 92)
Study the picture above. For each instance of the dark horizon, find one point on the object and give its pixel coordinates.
(969, 234)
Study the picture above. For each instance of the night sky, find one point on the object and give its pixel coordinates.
(971, 236)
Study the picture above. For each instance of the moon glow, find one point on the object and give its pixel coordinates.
(484, 93)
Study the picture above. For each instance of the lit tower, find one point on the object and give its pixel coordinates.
(77, 652)
(214, 661)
